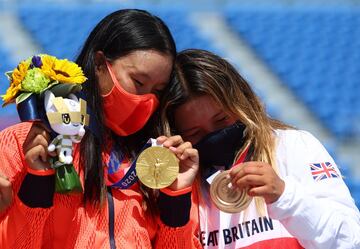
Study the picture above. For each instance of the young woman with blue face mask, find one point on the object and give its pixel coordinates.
(297, 196)
(127, 59)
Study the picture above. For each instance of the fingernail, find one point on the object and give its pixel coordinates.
(160, 139)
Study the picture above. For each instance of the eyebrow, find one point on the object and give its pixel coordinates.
(187, 130)
(147, 77)
(217, 114)
(142, 74)
(193, 128)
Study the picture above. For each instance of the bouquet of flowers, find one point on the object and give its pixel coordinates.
(39, 73)
(33, 86)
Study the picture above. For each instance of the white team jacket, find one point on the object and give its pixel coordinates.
(316, 209)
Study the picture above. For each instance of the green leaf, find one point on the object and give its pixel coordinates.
(53, 83)
(64, 89)
(22, 97)
(8, 75)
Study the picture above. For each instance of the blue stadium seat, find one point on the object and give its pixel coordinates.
(316, 54)
(354, 188)
(8, 114)
(64, 32)
(5, 65)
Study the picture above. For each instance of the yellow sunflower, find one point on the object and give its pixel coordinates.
(48, 63)
(17, 77)
(63, 71)
(10, 94)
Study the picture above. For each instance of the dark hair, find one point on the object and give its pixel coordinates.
(117, 35)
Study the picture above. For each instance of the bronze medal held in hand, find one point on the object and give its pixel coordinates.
(157, 167)
(225, 198)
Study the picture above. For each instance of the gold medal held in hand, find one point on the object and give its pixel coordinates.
(226, 198)
(157, 167)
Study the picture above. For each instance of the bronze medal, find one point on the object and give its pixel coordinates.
(225, 198)
(157, 167)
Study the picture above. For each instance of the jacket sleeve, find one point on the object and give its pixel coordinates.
(20, 225)
(316, 206)
(175, 228)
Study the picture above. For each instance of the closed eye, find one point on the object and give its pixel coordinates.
(222, 119)
(138, 83)
(192, 134)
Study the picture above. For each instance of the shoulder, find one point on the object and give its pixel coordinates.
(297, 150)
(297, 139)
(11, 154)
(295, 135)
(15, 133)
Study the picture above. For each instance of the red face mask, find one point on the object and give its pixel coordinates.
(127, 113)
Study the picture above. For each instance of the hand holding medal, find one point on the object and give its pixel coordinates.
(226, 197)
(225, 194)
(259, 179)
(173, 165)
(157, 167)
(233, 190)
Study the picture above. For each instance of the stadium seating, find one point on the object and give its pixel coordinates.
(316, 54)
(5, 65)
(64, 32)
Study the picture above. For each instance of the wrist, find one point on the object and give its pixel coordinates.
(41, 171)
(37, 164)
(177, 185)
(174, 193)
(278, 193)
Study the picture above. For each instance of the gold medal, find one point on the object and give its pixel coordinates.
(157, 167)
(225, 198)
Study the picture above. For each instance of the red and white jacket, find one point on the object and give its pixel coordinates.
(316, 209)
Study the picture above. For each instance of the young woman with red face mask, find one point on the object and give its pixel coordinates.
(299, 199)
(128, 59)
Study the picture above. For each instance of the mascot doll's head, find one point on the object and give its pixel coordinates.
(67, 116)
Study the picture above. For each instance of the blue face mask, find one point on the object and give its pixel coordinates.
(219, 148)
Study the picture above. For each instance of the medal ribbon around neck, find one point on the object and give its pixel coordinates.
(116, 158)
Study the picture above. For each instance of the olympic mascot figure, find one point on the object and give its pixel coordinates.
(67, 117)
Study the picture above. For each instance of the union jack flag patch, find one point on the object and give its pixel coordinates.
(321, 171)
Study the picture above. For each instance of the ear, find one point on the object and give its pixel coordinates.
(48, 100)
(73, 97)
(100, 62)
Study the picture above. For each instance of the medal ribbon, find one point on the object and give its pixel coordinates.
(130, 178)
(244, 156)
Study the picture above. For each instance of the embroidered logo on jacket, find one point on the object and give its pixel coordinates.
(322, 171)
